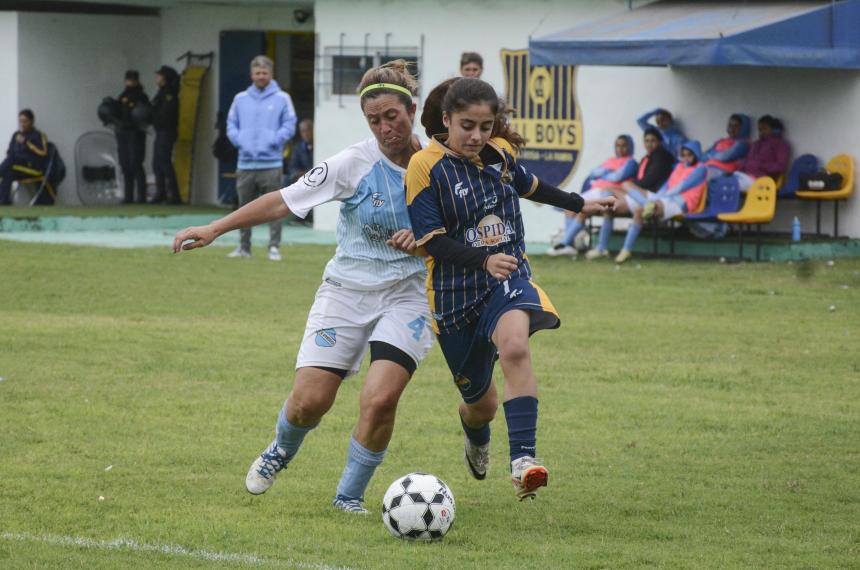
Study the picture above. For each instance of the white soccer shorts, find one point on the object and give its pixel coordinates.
(342, 322)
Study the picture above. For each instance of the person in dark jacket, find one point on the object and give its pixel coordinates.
(131, 137)
(26, 156)
(654, 168)
(302, 156)
(165, 119)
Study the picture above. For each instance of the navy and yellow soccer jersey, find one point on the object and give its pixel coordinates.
(475, 202)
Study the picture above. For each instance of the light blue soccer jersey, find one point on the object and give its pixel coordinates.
(373, 208)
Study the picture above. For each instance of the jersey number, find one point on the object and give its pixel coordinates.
(417, 327)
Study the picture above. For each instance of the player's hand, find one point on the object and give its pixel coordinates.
(599, 207)
(501, 265)
(19, 138)
(198, 236)
(402, 240)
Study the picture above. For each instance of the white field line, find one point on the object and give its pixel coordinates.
(170, 549)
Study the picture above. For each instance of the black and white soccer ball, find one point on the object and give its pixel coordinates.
(418, 506)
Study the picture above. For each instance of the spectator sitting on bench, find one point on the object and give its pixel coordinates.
(768, 156)
(601, 183)
(26, 156)
(725, 156)
(673, 138)
(680, 194)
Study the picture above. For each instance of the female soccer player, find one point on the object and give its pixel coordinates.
(463, 197)
(372, 290)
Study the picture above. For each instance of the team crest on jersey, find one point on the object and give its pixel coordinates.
(326, 338)
(546, 114)
(376, 199)
(490, 231)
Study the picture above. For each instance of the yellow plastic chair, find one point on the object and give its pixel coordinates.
(844, 165)
(759, 208)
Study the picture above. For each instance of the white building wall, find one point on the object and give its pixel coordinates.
(69, 62)
(818, 106)
(9, 72)
(197, 28)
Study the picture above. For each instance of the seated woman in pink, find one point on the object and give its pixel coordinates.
(725, 156)
(768, 156)
(601, 181)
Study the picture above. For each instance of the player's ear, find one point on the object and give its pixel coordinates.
(411, 111)
(446, 120)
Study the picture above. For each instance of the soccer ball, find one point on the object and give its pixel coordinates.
(582, 241)
(418, 506)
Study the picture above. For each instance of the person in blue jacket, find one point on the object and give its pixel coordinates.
(673, 137)
(260, 122)
(726, 154)
(26, 156)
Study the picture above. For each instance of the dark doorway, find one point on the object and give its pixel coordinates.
(293, 54)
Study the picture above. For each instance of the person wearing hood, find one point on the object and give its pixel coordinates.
(725, 155)
(601, 183)
(681, 193)
(165, 119)
(131, 137)
(673, 137)
(768, 156)
(260, 122)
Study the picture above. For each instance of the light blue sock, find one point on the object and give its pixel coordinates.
(572, 226)
(360, 465)
(288, 436)
(632, 233)
(605, 234)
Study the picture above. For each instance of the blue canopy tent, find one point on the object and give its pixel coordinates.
(802, 34)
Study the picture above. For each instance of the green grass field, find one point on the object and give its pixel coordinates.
(693, 415)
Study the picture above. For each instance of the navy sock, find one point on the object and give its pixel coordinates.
(478, 436)
(521, 416)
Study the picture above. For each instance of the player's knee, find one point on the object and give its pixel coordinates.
(514, 351)
(308, 408)
(379, 407)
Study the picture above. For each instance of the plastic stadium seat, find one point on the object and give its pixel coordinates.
(844, 165)
(759, 208)
(724, 196)
(802, 164)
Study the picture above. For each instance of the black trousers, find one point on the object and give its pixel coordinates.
(132, 152)
(162, 166)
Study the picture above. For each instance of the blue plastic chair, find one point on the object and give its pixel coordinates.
(724, 195)
(803, 163)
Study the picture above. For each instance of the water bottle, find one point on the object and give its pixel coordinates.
(795, 229)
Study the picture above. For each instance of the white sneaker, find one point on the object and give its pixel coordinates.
(274, 254)
(593, 254)
(239, 252)
(477, 459)
(355, 506)
(559, 250)
(528, 475)
(263, 471)
(623, 256)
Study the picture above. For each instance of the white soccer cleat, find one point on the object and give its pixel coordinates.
(623, 256)
(239, 252)
(593, 254)
(265, 469)
(560, 250)
(354, 506)
(477, 459)
(274, 254)
(528, 475)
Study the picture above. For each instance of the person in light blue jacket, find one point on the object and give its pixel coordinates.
(260, 122)
(673, 137)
